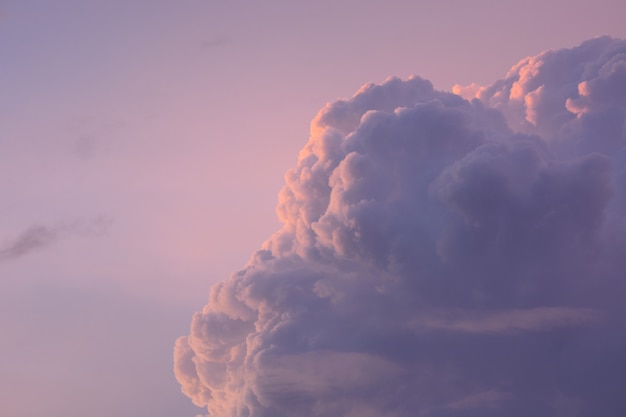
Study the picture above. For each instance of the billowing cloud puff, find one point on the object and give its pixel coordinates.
(439, 257)
(574, 96)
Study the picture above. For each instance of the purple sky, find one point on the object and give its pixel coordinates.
(144, 143)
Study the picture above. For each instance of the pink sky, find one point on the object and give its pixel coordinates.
(148, 141)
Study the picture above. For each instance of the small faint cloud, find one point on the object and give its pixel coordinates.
(219, 40)
(39, 236)
(85, 146)
(94, 227)
(91, 135)
(33, 238)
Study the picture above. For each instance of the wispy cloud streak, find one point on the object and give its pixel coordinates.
(39, 237)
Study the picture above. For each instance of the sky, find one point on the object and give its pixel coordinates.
(143, 147)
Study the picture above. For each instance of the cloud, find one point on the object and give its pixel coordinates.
(566, 95)
(438, 257)
(33, 238)
(215, 41)
(39, 237)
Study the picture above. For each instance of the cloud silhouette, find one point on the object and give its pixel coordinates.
(439, 257)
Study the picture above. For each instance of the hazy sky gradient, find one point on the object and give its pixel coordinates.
(143, 144)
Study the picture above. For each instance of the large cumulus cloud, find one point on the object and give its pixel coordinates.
(442, 255)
